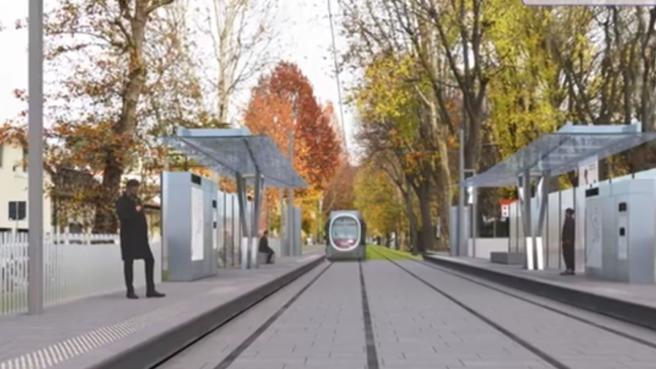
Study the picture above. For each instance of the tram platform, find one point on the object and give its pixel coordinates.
(633, 303)
(110, 331)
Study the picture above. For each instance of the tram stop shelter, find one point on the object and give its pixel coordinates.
(252, 160)
(551, 155)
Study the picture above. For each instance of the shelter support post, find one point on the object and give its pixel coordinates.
(543, 201)
(474, 221)
(472, 203)
(291, 240)
(241, 197)
(525, 201)
(255, 225)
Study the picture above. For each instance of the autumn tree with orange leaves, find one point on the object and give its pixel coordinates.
(283, 103)
(119, 75)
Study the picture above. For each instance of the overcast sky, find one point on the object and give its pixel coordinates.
(304, 32)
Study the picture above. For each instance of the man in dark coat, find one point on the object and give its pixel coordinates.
(568, 242)
(264, 246)
(134, 239)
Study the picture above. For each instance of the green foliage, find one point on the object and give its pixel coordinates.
(376, 197)
(525, 92)
(389, 94)
(383, 253)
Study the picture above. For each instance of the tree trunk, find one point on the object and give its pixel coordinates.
(473, 140)
(397, 236)
(648, 85)
(412, 223)
(426, 232)
(124, 129)
(443, 183)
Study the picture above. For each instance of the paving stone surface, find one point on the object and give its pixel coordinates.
(574, 343)
(418, 328)
(415, 327)
(81, 333)
(210, 351)
(322, 329)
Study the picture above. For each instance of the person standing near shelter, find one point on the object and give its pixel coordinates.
(134, 239)
(568, 242)
(264, 247)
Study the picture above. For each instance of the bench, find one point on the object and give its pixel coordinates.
(509, 258)
(262, 258)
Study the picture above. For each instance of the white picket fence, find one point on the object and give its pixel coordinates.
(75, 266)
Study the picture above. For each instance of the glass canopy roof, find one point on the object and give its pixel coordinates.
(559, 153)
(236, 151)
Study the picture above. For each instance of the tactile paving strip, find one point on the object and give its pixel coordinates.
(61, 351)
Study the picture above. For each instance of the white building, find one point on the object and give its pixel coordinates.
(13, 188)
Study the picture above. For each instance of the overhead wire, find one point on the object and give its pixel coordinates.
(337, 79)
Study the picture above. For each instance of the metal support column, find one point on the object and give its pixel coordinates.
(255, 225)
(241, 198)
(560, 224)
(35, 160)
(461, 197)
(473, 216)
(291, 240)
(525, 198)
(543, 201)
(474, 221)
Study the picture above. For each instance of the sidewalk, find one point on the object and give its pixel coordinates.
(635, 303)
(110, 330)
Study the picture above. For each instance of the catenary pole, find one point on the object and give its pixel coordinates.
(35, 159)
(461, 197)
(337, 79)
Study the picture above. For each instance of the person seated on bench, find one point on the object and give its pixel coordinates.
(264, 247)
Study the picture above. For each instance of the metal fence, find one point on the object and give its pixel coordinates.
(75, 266)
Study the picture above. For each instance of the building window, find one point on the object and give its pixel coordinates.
(75, 228)
(17, 210)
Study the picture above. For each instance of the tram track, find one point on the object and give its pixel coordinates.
(370, 342)
(549, 359)
(235, 353)
(522, 338)
(545, 356)
(372, 360)
(589, 322)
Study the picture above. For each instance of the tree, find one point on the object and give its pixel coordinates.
(526, 92)
(242, 35)
(122, 75)
(399, 30)
(283, 102)
(395, 125)
(339, 192)
(376, 197)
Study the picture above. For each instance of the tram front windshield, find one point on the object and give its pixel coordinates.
(344, 232)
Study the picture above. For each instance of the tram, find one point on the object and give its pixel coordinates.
(346, 235)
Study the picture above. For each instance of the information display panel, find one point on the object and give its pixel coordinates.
(197, 224)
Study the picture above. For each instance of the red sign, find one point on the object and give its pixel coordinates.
(505, 207)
